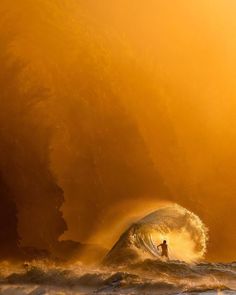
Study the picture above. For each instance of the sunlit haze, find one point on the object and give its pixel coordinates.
(110, 109)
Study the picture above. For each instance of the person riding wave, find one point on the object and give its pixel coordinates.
(164, 249)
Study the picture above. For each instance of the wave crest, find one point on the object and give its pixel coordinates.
(184, 231)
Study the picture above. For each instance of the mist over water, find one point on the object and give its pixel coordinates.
(105, 104)
(76, 140)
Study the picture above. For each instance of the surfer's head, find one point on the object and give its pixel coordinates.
(164, 242)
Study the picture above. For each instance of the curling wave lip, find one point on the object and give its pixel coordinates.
(184, 231)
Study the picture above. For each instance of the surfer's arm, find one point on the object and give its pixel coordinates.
(159, 246)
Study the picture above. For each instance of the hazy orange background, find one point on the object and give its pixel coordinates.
(141, 107)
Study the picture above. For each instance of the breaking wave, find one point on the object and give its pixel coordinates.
(184, 231)
(133, 266)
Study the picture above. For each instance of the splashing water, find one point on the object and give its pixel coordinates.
(187, 238)
(184, 231)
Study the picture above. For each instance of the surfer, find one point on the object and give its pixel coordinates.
(164, 249)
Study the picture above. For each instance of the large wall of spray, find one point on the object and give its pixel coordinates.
(106, 108)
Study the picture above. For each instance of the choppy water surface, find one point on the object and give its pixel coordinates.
(147, 277)
(133, 265)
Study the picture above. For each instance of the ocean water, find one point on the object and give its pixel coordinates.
(133, 265)
(147, 277)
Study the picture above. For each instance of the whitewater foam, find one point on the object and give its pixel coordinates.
(147, 277)
(133, 266)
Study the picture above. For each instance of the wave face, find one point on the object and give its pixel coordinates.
(184, 231)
